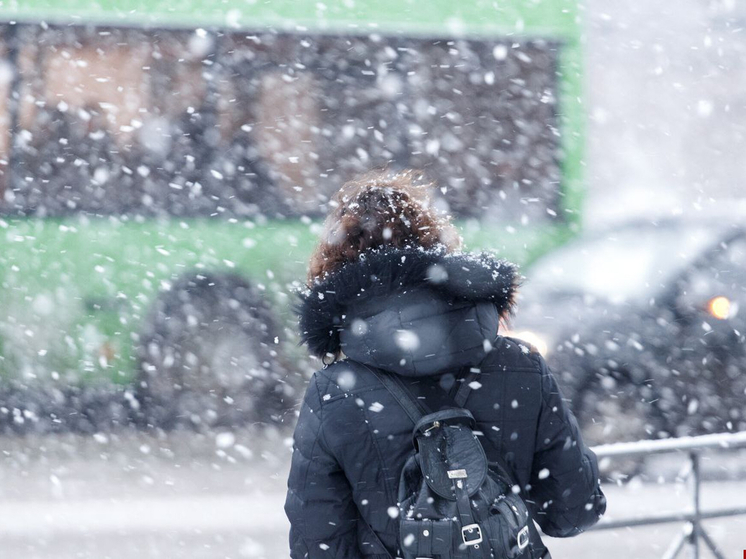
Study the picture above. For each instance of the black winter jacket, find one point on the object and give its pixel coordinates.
(429, 317)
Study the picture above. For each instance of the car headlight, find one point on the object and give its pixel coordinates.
(720, 307)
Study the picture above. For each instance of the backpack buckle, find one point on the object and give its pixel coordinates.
(523, 538)
(469, 537)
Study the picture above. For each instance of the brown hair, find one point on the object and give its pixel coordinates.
(376, 210)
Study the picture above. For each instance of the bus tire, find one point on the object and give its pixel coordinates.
(206, 354)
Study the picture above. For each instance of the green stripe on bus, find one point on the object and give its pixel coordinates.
(556, 18)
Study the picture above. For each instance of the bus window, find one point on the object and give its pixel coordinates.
(478, 117)
(287, 116)
(6, 79)
(315, 111)
(80, 93)
(112, 121)
(190, 123)
(363, 125)
(484, 123)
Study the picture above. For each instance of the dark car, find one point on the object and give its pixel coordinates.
(644, 326)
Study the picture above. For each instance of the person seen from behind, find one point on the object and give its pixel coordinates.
(391, 293)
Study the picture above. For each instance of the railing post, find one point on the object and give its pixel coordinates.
(694, 536)
(694, 532)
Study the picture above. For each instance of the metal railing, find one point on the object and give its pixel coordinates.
(693, 532)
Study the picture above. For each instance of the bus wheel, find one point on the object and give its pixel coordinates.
(206, 354)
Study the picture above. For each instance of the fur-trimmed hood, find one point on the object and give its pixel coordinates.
(392, 306)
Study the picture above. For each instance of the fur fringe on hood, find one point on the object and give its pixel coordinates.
(383, 272)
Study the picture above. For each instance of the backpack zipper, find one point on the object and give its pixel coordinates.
(435, 425)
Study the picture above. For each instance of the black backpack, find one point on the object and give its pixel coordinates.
(453, 503)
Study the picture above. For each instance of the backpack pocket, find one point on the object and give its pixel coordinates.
(508, 527)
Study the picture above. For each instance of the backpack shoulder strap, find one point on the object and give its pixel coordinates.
(401, 394)
(462, 394)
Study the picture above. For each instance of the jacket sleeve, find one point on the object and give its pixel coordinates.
(565, 491)
(323, 516)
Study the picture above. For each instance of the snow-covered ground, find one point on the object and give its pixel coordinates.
(221, 495)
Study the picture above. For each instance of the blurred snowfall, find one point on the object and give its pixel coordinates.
(666, 104)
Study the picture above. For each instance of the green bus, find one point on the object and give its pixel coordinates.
(164, 168)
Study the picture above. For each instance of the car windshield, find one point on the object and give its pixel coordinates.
(622, 265)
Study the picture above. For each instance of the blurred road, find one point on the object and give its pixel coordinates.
(220, 496)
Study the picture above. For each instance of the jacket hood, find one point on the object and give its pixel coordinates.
(411, 310)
